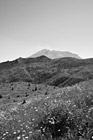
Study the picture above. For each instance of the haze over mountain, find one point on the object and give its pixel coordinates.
(55, 54)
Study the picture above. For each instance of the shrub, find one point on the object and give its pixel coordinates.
(24, 101)
(35, 88)
(26, 95)
(56, 124)
(12, 88)
(1, 96)
(59, 123)
(18, 95)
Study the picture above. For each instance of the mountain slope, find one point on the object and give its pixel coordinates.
(42, 70)
(55, 54)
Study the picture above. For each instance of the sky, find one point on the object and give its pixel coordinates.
(27, 26)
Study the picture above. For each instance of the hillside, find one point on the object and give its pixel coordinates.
(36, 112)
(54, 54)
(42, 70)
(46, 99)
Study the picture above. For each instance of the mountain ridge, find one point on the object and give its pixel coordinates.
(52, 54)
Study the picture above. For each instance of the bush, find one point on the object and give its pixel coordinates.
(56, 125)
(62, 123)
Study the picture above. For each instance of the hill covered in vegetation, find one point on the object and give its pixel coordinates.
(42, 70)
(46, 99)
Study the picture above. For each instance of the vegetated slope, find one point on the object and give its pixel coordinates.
(42, 70)
(47, 112)
(55, 54)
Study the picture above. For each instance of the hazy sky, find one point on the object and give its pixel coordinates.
(27, 26)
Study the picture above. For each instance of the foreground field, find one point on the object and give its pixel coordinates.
(39, 112)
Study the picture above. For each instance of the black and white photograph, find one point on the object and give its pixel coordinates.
(46, 69)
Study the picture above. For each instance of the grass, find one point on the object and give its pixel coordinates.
(61, 114)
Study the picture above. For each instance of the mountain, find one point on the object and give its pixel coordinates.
(55, 54)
